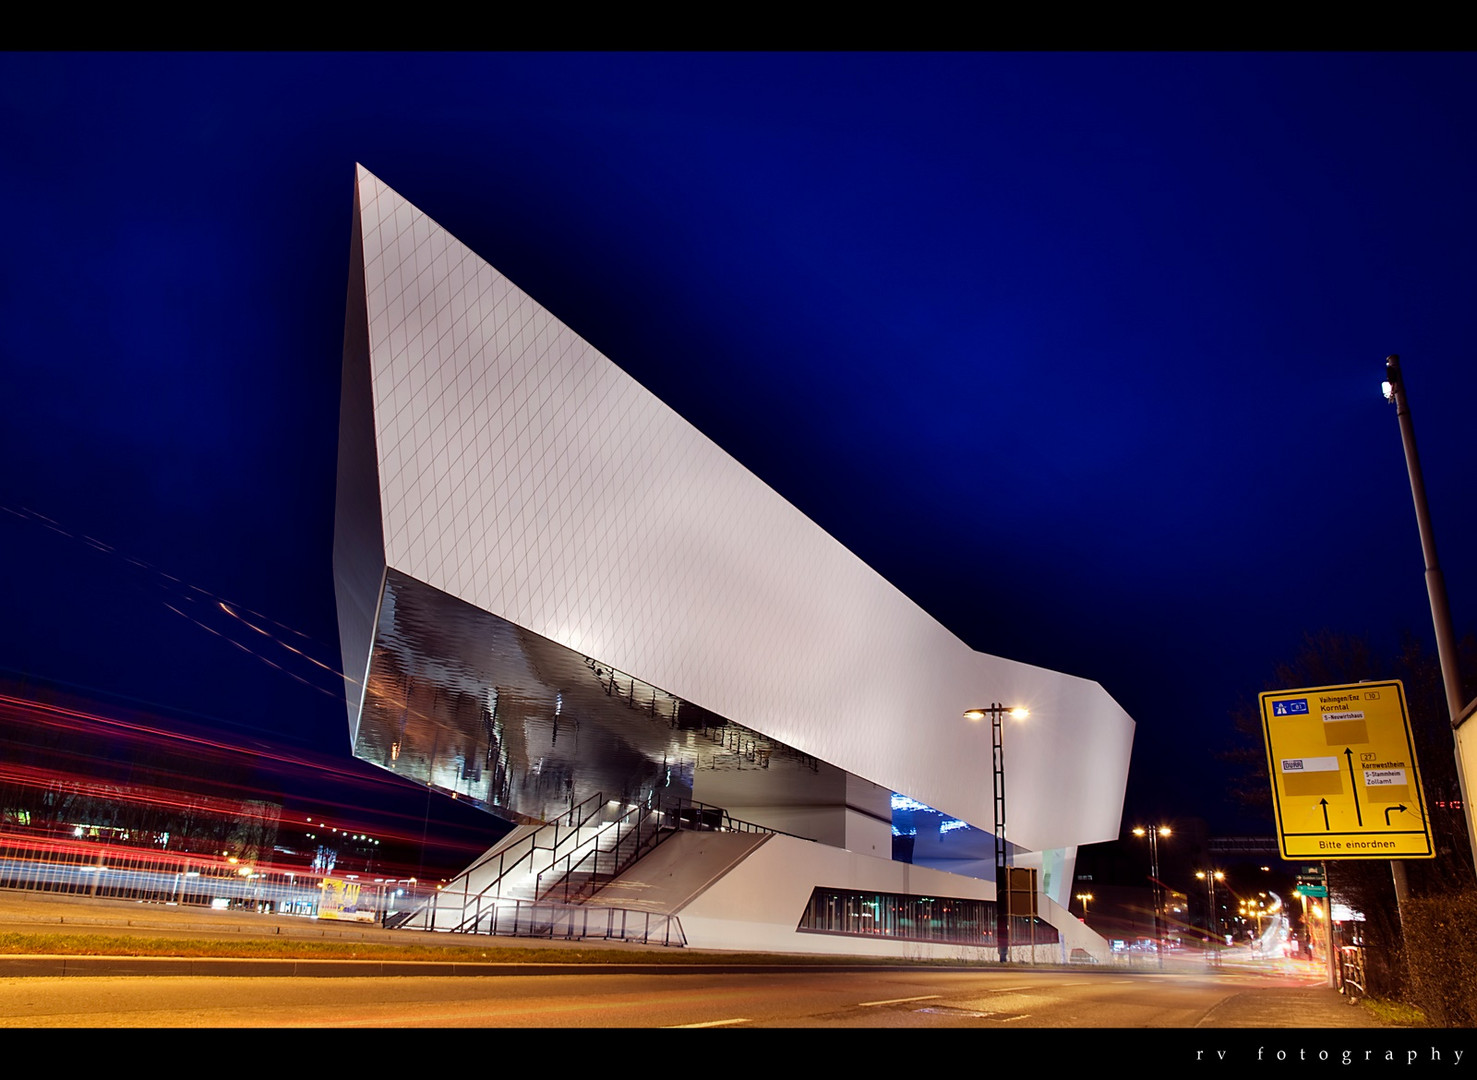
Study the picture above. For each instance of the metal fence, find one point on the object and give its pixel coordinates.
(527, 918)
(118, 871)
(1351, 977)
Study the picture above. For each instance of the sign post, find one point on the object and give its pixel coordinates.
(1344, 779)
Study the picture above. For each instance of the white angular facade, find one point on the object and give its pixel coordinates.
(492, 455)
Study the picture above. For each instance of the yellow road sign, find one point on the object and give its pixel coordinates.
(1344, 779)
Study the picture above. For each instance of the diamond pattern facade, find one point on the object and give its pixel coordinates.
(491, 454)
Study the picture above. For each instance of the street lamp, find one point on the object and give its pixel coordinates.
(1212, 918)
(1154, 832)
(1084, 898)
(1446, 652)
(996, 712)
(1255, 907)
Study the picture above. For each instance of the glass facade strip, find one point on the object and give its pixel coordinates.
(941, 919)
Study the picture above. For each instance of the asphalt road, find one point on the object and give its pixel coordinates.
(922, 998)
(40, 991)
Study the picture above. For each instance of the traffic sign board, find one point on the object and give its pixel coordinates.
(1344, 778)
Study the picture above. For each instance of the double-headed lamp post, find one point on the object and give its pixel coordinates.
(1212, 917)
(1256, 907)
(1154, 832)
(997, 712)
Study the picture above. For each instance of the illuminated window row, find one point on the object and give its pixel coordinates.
(943, 919)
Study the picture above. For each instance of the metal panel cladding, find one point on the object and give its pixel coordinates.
(522, 471)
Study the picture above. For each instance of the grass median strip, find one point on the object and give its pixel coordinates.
(287, 949)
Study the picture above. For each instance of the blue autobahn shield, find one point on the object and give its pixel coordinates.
(1292, 707)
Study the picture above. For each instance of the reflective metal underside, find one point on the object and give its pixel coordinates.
(487, 711)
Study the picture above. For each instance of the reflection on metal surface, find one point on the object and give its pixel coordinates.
(468, 703)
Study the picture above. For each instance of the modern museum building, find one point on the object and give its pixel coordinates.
(561, 602)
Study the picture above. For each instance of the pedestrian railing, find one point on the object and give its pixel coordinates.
(110, 870)
(1351, 972)
(571, 922)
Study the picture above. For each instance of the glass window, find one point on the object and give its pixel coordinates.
(942, 919)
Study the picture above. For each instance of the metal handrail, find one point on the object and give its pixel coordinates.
(571, 867)
(591, 805)
(706, 817)
(522, 918)
(502, 871)
(594, 802)
(649, 823)
(617, 860)
(725, 821)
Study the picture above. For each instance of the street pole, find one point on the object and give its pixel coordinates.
(1333, 978)
(996, 712)
(1153, 834)
(1436, 591)
(1158, 896)
(1002, 851)
(1215, 914)
(1212, 916)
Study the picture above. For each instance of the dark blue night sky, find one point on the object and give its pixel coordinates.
(1082, 352)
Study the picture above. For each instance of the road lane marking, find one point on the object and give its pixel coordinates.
(898, 1001)
(712, 1023)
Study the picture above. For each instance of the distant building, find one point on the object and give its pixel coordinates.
(559, 601)
(68, 772)
(78, 773)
